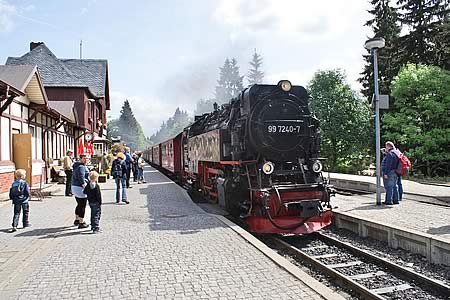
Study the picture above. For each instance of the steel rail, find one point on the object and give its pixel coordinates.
(424, 281)
(343, 280)
(349, 282)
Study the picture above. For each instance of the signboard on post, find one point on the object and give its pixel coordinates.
(384, 102)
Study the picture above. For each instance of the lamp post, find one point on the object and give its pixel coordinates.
(373, 45)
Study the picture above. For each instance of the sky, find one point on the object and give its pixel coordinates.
(166, 54)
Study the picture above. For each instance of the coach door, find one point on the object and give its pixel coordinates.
(22, 153)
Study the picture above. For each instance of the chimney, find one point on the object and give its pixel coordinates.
(34, 45)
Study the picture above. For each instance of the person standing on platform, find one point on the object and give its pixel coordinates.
(388, 169)
(104, 163)
(140, 166)
(119, 173)
(403, 167)
(135, 167)
(20, 194)
(94, 196)
(79, 182)
(67, 165)
(128, 165)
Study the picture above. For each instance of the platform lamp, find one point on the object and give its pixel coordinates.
(373, 45)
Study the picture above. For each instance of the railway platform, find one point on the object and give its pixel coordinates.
(368, 183)
(420, 223)
(160, 246)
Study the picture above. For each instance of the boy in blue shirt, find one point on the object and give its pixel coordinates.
(20, 194)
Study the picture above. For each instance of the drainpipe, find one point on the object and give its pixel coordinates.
(44, 154)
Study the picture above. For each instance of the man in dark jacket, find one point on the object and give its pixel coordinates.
(129, 165)
(119, 173)
(388, 166)
(135, 167)
(79, 182)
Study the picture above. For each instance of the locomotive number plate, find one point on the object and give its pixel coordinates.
(283, 129)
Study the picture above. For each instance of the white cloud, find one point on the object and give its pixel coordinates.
(292, 18)
(298, 38)
(6, 19)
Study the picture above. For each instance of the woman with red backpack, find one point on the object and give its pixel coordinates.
(403, 167)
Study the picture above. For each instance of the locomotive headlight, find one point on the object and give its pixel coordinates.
(268, 168)
(317, 166)
(285, 85)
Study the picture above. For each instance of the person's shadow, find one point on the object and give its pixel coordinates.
(439, 230)
(45, 232)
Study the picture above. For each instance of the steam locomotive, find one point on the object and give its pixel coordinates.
(259, 157)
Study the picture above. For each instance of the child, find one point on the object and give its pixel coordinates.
(94, 196)
(20, 194)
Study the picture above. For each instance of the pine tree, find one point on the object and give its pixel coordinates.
(229, 83)
(255, 75)
(424, 18)
(128, 128)
(441, 40)
(222, 89)
(384, 24)
(170, 128)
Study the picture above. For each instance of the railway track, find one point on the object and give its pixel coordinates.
(366, 275)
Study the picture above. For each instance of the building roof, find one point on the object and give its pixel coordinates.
(65, 108)
(17, 76)
(86, 73)
(26, 79)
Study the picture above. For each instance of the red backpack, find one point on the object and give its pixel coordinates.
(403, 165)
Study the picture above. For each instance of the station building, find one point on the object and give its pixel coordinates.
(49, 105)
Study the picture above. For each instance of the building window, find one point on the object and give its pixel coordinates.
(98, 149)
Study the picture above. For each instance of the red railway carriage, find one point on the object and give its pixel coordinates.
(147, 154)
(171, 154)
(156, 155)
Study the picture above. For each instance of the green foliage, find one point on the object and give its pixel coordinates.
(128, 128)
(420, 122)
(173, 126)
(116, 148)
(229, 83)
(255, 75)
(344, 119)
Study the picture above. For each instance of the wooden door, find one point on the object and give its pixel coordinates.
(22, 153)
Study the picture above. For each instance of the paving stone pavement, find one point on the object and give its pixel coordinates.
(161, 246)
